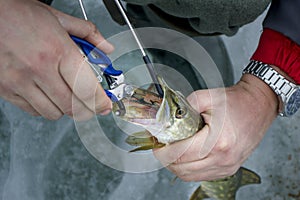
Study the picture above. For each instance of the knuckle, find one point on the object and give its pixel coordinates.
(15, 82)
(49, 54)
(92, 28)
(78, 111)
(227, 161)
(195, 167)
(87, 96)
(176, 170)
(34, 113)
(187, 178)
(26, 107)
(83, 116)
(9, 85)
(53, 115)
(67, 106)
(230, 171)
(102, 105)
(175, 156)
(178, 159)
(68, 111)
(223, 145)
(172, 158)
(72, 109)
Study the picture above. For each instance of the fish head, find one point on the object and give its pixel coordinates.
(168, 119)
(178, 118)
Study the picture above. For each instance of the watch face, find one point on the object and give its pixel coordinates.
(293, 103)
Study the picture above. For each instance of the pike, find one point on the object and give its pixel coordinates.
(171, 119)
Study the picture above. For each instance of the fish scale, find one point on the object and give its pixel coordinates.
(176, 120)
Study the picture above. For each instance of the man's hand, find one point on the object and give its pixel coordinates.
(41, 68)
(237, 119)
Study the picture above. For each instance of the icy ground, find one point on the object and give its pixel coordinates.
(44, 160)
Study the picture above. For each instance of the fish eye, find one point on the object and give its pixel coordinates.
(180, 113)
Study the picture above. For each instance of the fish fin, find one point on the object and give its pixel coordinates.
(144, 140)
(142, 148)
(147, 147)
(139, 138)
(199, 194)
(249, 177)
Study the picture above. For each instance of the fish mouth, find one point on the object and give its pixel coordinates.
(144, 116)
(142, 107)
(163, 113)
(145, 107)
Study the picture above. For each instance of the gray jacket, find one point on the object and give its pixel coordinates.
(199, 16)
(218, 16)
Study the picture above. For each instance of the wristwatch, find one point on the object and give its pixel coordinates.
(288, 92)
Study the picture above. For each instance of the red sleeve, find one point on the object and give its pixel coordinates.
(276, 49)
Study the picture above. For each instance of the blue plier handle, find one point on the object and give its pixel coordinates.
(96, 56)
(102, 66)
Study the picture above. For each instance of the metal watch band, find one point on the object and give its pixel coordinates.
(280, 85)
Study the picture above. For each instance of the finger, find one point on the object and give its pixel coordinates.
(184, 151)
(200, 167)
(78, 74)
(22, 103)
(40, 102)
(83, 29)
(200, 100)
(61, 95)
(206, 100)
(208, 175)
(79, 111)
(213, 107)
(205, 169)
(83, 83)
(191, 149)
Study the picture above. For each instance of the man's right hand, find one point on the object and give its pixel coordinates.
(41, 68)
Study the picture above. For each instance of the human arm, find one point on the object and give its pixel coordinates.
(42, 70)
(238, 125)
(250, 107)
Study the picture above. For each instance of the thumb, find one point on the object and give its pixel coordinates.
(207, 100)
(83, 29)
(200, 100)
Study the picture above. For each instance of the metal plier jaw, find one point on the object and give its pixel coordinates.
(118, 93)
(102, 66)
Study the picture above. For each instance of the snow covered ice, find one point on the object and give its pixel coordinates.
(45, 160)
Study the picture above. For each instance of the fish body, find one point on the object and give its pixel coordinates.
(170, 119)
(226, 188)
(176, 116)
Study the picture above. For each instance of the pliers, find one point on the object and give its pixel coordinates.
(102, 66)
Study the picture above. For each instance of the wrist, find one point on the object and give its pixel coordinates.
(262, 95)
(280, 102)
(287, 92)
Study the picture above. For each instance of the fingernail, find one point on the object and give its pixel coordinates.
(105, 112)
